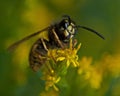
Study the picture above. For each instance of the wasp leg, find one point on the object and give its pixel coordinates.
(44, 45)
(74, 43)
(57, 38)
(48, 66)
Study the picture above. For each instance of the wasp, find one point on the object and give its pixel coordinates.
(59, 35)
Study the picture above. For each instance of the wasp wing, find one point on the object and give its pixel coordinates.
(14, 45)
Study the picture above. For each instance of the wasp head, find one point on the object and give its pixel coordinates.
(67, 29)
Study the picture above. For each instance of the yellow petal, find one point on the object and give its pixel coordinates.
(60, 58)
(68, 63)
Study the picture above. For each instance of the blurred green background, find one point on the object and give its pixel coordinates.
(22, 17)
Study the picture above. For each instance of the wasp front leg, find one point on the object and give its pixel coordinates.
(57, 39)
(74, 43)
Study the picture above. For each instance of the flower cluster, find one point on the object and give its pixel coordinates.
(91, 73)
(59, 62)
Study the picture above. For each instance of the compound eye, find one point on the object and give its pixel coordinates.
(66, 25)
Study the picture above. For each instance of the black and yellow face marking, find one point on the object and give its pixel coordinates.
(59, 36)
(70, 30)
(67, 29)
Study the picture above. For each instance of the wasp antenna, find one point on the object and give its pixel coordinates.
(91, 30)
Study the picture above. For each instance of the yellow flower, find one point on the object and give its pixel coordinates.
(85, 66)
(91, 73)
(96, 78)
(69, 55)
(111, 63)
(59, 61)
(51, 81)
